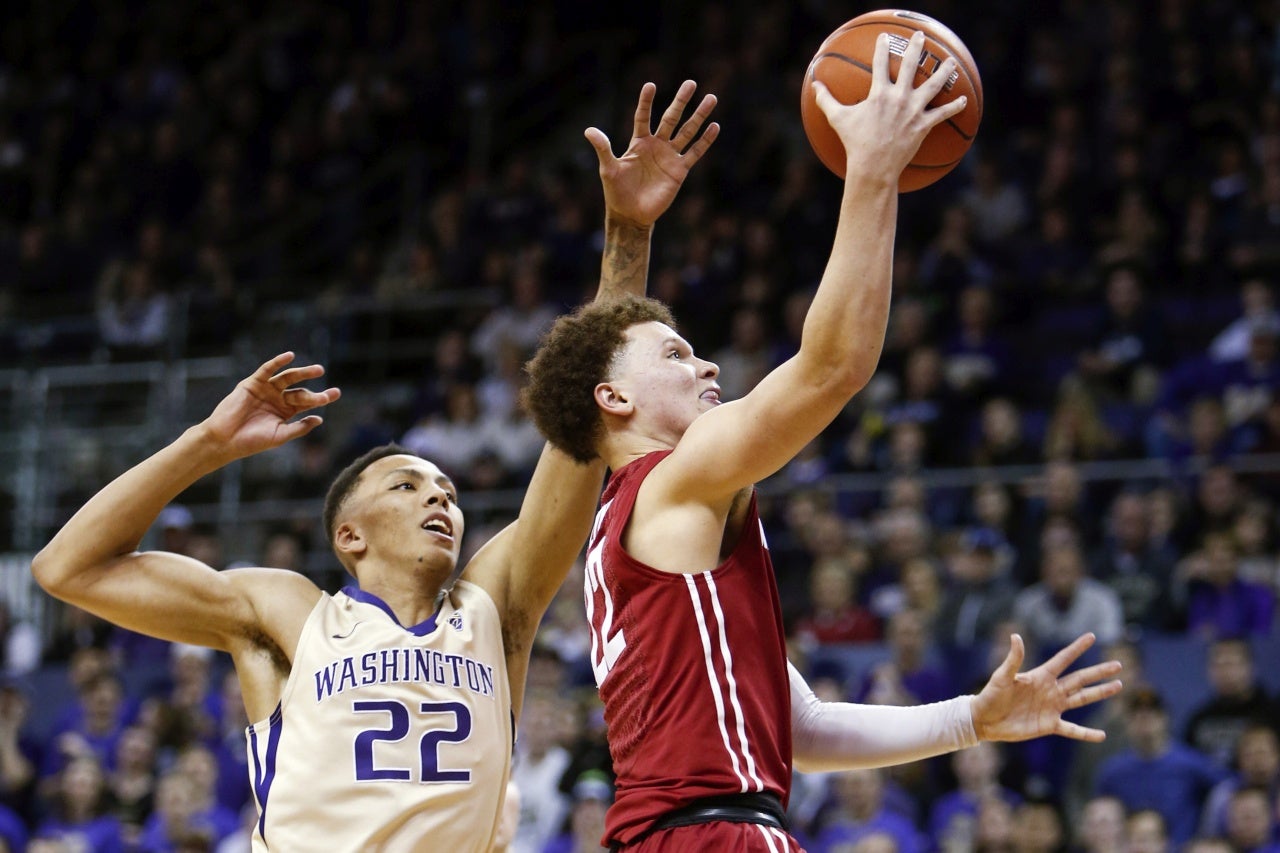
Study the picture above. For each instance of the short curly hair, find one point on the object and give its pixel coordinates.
(575, 357)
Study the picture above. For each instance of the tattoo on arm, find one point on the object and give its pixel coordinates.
(625, 267)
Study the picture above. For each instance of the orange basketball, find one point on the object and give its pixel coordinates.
(843, 62)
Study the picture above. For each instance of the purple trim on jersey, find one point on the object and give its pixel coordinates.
(264, 768)
(420, 630)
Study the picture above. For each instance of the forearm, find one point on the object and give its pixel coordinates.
(624, 267)
(845, 327)
(114, 520)
(831, 736)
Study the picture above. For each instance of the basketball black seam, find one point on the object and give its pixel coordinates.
(959, 66)
(967, 137)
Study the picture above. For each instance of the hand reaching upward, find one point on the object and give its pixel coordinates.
(258, 414)
(1016, 706)
(641, 184)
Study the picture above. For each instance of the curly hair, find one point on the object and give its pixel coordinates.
(573, 359)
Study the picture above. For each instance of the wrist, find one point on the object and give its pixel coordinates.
(976, 717)
(205, 451)
(614, 221)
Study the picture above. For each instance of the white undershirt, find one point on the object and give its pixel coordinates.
(830, 736)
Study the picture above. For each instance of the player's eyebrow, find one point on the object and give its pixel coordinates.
(678, 343)
(416, 474)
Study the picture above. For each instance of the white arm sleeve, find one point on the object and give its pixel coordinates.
(828, 736)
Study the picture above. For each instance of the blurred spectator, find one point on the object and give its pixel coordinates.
(592, 796)
(182, 816)
(952, 260)
(994, 828)
(1138, 573)
(1037, 828)
(1219, 603)
(1076, 431)
(978, 597)
(20, 647)
(76, 629)
(1124, 357)
(834, 615)
(1054, 260)
(910, 676)
(101, 700)
(454, 438)
(540, 761)
(1236, 700)
(922, 592)
(859, 809)
(1251, 824)
(1001, 440)
(746, 359)
(954, 815)
(1255, 537)
(979, 359)
(1066, 603)
(1059, 494)
(1101, 828)
(1147, 831)
(994, 200)
(132, 782)
(78, 813)
(1156, 772)
(1256, 764)
(1257, 305)
(134, 315)
(19, 749)
(521, 320)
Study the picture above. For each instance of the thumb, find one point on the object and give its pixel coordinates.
(1013, 661)
(600, 142)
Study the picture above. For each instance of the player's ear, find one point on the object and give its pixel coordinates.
(612, 400)
(347, 539)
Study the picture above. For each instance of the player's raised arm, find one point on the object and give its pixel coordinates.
(93, 561)
(640, 185)
(744, 441)
(524, 565)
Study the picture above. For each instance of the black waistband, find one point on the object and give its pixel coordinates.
(761, 808)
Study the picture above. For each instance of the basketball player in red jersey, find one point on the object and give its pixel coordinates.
(705, 715)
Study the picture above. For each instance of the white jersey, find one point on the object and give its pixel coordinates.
(387, 738)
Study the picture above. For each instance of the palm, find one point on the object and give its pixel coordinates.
(1015, 706)
(640, 185)
(258, 414)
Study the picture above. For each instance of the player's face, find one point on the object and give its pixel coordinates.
(409, 505)
(667, 383)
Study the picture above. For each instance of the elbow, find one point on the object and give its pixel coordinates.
(47, 571)
(847, 380)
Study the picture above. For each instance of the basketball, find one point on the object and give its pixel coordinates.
(843, 63)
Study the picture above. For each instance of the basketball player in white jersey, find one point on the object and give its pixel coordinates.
(383, 715)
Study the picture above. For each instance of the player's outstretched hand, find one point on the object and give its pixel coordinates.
(882, 132)
(1017, 705)
(258, 415)
(640, 185)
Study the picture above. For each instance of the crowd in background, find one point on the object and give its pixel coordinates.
(1095, 282)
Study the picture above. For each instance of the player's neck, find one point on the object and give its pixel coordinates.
(623, 447)
(411, 595)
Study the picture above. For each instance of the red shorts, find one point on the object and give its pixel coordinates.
(717, 835)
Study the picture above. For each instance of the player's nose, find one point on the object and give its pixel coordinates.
(710, 369)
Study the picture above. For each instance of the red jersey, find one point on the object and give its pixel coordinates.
(692, 669)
